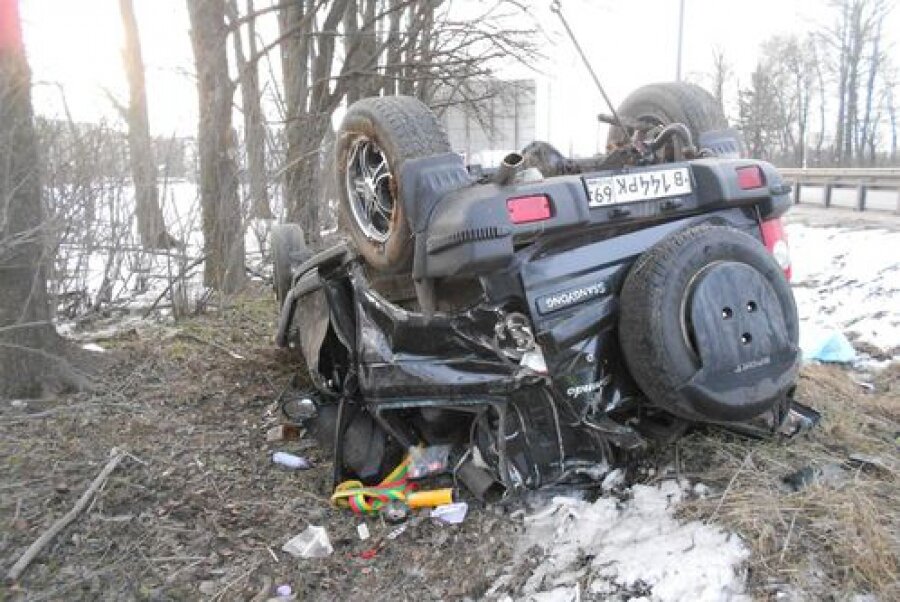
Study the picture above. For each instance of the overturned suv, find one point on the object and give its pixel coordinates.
(554, 316)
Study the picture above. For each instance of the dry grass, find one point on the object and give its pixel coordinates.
(831, 539)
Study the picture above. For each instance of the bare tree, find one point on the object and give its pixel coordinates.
(411, 47)
(151, 225)
(792, 64)
(307, 63)
(890, 102)
(856, 32)
(223, 230)
(869, 125)
(819, 83)
(30, 349)
(255, 131)
(760, 113)
(721, 73)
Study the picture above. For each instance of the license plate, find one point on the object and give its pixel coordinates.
(642, 186)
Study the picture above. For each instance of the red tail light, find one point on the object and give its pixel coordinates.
(775, 239)
(525, 209)
(750, 177)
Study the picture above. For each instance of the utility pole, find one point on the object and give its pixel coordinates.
(680, 38)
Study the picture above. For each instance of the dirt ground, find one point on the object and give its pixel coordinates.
(197, 510)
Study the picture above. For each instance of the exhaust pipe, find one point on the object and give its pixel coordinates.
(511, 165)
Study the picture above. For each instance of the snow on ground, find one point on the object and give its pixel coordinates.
(635, 547)
(848, 280)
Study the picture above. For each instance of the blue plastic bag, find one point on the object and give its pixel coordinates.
(827, 346)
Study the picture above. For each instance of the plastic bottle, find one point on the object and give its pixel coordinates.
(291, 461)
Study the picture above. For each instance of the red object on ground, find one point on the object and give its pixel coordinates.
(10, 25)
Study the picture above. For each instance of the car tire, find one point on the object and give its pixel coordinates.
(392, 129)
(655, 330)
(671, 102)
(288, 251)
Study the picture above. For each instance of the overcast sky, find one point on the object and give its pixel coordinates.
(77, 43)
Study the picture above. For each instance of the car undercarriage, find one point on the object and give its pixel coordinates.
(549, 319)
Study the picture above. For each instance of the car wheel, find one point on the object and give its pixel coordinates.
(671, 102)
(288, 251)
(708, 325)
(376, 137)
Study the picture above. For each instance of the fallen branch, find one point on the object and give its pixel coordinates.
(47, 536)
(213, 344)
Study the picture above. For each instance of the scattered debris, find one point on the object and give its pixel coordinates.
(369, 500)
(828, 475)
(451, 514)
(830, 346)
(397, 532)
(865, 386)
(283, 432)
(873, 461)
(362, 529)
(283, 591)
(428, 461)
(311, 543)
(395, 512)
(297, 407)
(430, 499)
(291, 461)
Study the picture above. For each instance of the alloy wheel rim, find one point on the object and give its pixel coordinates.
(369, 190)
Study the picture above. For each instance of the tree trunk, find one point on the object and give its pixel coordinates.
(28, 342)
(310, 103)
(892, 117)
(223, 232)
(392, 68)
(868, 127)
(304, 175)
(803, 93)
(151, 226)
(295, 73)
(254, 125)
(820, 82)
(842, 85)
(352, 40)
(855, 55)
(720, 76)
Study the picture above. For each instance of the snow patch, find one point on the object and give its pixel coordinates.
(635, 547)
(849, 281)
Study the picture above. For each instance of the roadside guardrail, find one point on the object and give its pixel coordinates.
(861, 179)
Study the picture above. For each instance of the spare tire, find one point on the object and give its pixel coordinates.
(289, 250)
(708, 325)
(376, 137)
(671, 102)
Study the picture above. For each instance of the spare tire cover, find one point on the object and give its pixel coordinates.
(709, 325)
